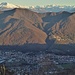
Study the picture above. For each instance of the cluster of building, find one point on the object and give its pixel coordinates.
(29, 62)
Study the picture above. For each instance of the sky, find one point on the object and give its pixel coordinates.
(40, 2)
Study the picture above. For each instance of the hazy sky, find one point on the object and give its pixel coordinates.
(40, 2)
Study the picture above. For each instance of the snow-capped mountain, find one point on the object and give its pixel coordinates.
(7, 6)
(40, 9)
(52, 8)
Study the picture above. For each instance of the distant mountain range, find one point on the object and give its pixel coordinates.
(52, 31)
(52, 8)
(40, 9)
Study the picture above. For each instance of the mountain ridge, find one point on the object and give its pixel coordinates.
(31, 30)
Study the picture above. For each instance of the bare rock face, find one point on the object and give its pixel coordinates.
(60, 26)
(23, 27)
(17, 28)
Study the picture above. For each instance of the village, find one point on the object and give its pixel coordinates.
(29, 62)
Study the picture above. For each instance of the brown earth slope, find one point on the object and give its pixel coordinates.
(17, 28)
(22, 26)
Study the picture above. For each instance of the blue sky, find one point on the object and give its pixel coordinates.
(40, 2)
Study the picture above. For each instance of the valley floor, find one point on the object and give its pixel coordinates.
(30, 63)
